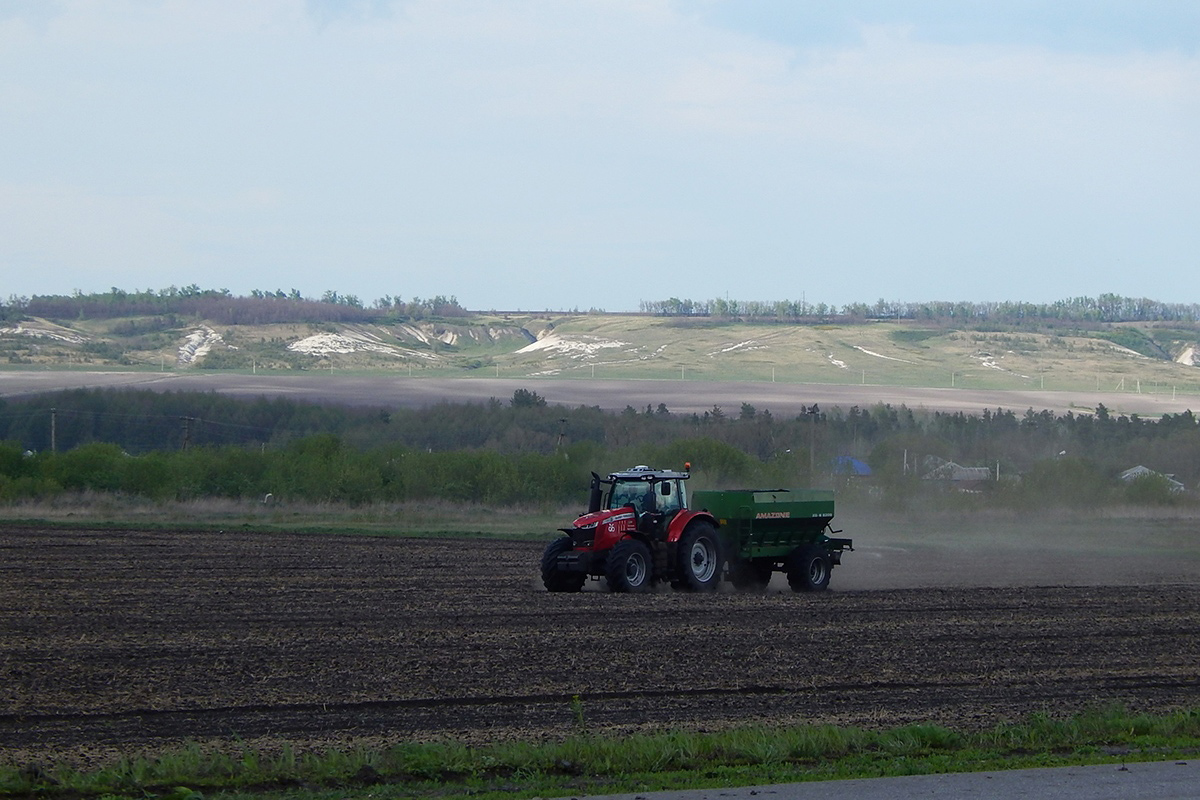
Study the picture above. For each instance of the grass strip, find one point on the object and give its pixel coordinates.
(587, 763)
(333, 529)
(421, 519)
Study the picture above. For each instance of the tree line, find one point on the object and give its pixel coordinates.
(523, 450)
(1107, 308)
(280, 306)
(219, 305)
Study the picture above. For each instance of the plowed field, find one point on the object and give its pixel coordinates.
(124, 641)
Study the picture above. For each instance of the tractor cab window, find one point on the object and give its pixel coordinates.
(670, 496)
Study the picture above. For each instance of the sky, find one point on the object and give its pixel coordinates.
(594, 154)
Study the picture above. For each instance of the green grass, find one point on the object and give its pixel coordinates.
(587, 763)
(914, 335)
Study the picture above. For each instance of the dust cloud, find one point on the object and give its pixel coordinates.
(987, 550)
(996, 550)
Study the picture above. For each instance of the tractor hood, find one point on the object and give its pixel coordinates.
(606, 515)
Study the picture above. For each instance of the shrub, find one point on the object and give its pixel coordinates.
(1072, 482)
(1151, 490)
(97, 466)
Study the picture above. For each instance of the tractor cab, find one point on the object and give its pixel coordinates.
(654, 495)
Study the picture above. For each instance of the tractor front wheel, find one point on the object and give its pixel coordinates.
(555, 579)
(698, 559)
(629, 567)
(808, 569)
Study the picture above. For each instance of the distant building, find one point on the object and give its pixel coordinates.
(953, 475)
(957, 472)
(1133, 473)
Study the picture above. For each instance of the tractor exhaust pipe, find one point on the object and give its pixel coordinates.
(596, 495)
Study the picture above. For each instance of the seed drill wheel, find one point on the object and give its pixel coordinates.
(750, 576)
(698, 559)
(555, 579)
(808, 569)
(629, 567)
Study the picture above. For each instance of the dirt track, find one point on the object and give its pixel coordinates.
(686, 397)
(120, 641)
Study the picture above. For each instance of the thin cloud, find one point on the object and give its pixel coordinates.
(520, 150)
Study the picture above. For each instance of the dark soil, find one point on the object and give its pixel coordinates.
(121, 642)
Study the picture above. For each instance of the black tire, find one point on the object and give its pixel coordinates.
(629, 567)
(698, 562)
(809, 568)
(751, 576)
(555, 579)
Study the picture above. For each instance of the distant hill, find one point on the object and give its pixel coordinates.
(902, 353)
(1110, 343)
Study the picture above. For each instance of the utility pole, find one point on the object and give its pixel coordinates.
(812, 443)
(187, 430)
(812, 448)
(54, 430)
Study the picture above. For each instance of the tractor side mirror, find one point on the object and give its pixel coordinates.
(666, 488)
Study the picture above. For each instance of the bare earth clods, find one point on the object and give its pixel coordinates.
(117, 642)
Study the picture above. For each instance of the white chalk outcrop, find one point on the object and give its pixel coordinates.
(198, 343)
(578, 347)
(40, 329)
(349, 342)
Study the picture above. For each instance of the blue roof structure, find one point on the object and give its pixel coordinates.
(848, 465)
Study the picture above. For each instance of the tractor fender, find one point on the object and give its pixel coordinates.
(684, 518)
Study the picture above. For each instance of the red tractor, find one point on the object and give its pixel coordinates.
(638, 531)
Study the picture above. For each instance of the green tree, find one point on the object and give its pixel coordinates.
(524, 398)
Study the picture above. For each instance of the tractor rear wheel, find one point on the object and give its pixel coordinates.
(808, 569)
(698, 559)
(751, 576)
(629, 568)
(555, 579)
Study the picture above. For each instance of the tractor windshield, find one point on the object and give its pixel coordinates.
(630, 493)
(660, 495)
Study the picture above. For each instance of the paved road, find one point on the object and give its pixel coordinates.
(1166, 780)
(679, 396)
